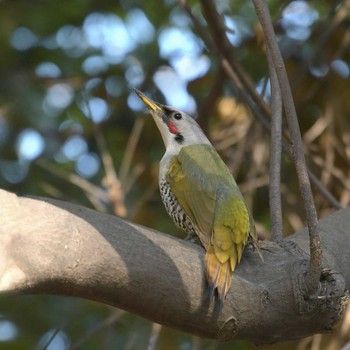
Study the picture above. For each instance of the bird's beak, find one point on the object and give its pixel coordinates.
(148, 102)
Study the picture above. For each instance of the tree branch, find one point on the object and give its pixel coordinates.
(314, 273)
(52, 247)
(275, 159)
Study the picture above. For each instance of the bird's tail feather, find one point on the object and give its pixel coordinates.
(218, 274)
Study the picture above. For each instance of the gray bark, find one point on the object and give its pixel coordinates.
(52, 247)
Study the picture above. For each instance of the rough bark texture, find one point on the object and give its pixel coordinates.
(52, 247)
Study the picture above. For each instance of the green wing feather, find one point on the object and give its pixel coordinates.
(210, 197)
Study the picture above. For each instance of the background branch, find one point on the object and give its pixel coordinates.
(111, 181)
(52, 247)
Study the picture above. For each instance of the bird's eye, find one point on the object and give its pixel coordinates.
(177, 116)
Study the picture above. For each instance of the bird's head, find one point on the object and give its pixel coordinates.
(177, 128)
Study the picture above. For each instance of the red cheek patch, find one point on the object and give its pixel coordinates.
(172, 128)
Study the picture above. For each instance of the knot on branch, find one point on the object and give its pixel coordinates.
(228, 330)
(330, 301)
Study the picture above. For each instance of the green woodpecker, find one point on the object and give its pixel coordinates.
(200, 194)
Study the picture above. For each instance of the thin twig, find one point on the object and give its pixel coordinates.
(275, 158)
(106, 323)
(224, 48)
(231, 73)
(51, 339)
(143, 199)
(254, 184)
(75, 179)
(257, 151)
(155, 332)
(314, 273)
(130, 150)
(137, 170)
(208, 104)
(111, 180)
(334, 171)
(323, 191)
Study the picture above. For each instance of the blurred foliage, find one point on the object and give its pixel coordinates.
(71, 128)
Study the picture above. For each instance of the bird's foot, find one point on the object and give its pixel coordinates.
(193, 238)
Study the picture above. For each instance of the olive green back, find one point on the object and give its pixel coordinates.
(210, 197)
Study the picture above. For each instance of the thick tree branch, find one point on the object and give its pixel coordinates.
(52, 247)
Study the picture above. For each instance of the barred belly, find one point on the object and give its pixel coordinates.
(174, 209)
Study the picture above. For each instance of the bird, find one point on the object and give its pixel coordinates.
(201, 195)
